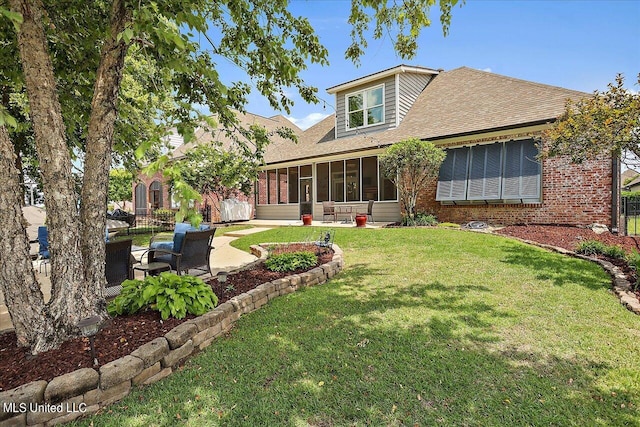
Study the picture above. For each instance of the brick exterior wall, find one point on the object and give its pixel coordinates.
(262, 188)
(147, 181)
(571, 195)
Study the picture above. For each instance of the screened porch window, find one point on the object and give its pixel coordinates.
(499, 172)
(293, 184)
(353, 180)
(322, 183)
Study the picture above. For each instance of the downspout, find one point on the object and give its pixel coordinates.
(615, 193)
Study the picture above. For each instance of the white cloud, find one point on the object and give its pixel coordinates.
(488, 70)
(308, 121)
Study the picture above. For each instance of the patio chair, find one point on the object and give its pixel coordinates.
(43, 248)
(369, 210)
(329, 209)
(194, 253)
(175, 244)
(118, 266)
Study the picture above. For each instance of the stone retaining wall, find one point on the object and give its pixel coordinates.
(86, 390)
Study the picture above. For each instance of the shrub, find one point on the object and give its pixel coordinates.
(420, 219)
(590, 247)
(168, 293)
(633, 259)
(614, 252)
(594, 247)
(164, 214)
(291, 261)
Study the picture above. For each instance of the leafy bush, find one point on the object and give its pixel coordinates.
(164, 214)
(168, 293)
(291, 261)
(631, 194)
(590, 247)
(614, 252)
(420, 219)
(594, 247)
(633, 259)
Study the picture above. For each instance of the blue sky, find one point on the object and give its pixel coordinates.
(577, 44)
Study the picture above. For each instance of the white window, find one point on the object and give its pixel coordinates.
(365, 108)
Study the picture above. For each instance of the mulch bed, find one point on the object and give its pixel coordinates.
(122, 335)
(568, 237)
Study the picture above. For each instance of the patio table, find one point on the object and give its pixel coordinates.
(346, 209)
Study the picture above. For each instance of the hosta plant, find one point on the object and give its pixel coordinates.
(168, 293)
(291, 261)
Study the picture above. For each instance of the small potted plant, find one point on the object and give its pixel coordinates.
(361, 220)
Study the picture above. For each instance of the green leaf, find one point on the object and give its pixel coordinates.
(127, 35)
(14, 17)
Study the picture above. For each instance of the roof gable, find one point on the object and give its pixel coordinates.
(381, 75)
(245, 120)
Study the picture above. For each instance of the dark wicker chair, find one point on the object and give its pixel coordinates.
(119, 265)
(194, 254)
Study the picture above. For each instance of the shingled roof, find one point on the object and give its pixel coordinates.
(457, 102)
(245, 120)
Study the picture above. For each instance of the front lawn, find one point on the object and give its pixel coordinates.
(423, 327)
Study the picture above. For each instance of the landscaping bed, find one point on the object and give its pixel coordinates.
(122, 334)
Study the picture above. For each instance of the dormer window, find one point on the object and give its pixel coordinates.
(365, 107)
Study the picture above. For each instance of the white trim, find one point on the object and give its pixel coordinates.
(397, 100)
(365, 107)
(381, 75)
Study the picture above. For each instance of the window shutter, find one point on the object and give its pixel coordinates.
(521, 171)
(452, 181)
(485, 172)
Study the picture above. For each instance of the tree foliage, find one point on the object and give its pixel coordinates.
(411, 165)
(402, 21)
(98, 80)
(605, 123)
(120, 184)
(210, 168)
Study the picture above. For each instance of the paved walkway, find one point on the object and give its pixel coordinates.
(224, 257)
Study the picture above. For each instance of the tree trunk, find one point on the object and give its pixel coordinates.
(102, 121)
(17, 279)
(71, 297)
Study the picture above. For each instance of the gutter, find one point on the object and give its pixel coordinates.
(615, 194)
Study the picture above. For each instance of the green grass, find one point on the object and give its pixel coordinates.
(633, 225)
(423, 327)
(142, 239)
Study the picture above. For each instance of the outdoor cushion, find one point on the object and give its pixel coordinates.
(178, 236)
(43, 240)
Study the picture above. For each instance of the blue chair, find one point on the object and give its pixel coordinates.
(175, 245)
(43, 249)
